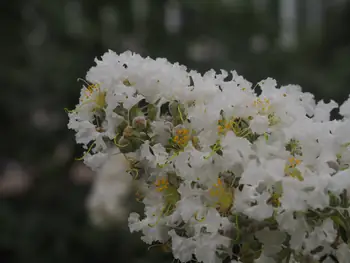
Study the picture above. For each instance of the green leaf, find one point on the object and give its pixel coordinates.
(152, 112)
(171, 195)
(343, 234)
(178, 112)
(294, 172)
(135, 112)
(338, 221)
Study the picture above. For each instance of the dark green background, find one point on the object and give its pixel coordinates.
(43, 54)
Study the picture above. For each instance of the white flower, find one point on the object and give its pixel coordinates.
(95, 161)
(112, 184)
(244, 198)
(158, 156)
(268, 86)
(252, 173)
(134, 222)
(343, 252)
(290, 222)
(339, 181)
(216, 165)
(236, 149)
(161, 130)
(152, 226)
(293, 198)
(183, 248)
(207, 245)
(322, 110)
(260, 124)
(274, 170)
(345, 108)
(86, 131)
(321, 235)
(342, 132)
(212, 222)
(189, 208)
(261, 210)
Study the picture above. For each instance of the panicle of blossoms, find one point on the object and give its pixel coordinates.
(225, 172)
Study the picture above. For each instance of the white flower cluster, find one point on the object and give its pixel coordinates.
(227, 172)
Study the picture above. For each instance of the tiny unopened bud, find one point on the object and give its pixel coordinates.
(139, 122)
(127, 131)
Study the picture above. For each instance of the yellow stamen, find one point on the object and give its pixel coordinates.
(275, 200)
(126, 82)
(182, 137)
(264, 104)
(223, 196)
(293, 162)
(90, 89)
(292, 170)
(161, 184)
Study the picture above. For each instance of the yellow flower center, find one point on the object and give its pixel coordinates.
(275, 200)
(128, 131)
(292, 170)
(293, 162)
(262, 104)
(126, 82)
(224, 126)
(217, 188)
(90, 89)
(223, 195)
(100, 99)
(182, 137)
(161, 184)
(238, 125)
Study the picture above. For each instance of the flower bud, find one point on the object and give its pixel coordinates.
(139, 123)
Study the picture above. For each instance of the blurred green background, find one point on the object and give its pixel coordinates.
(47, 44)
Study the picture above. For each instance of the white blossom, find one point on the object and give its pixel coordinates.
(219, 168)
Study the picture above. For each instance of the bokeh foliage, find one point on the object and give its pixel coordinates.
(47, 45)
